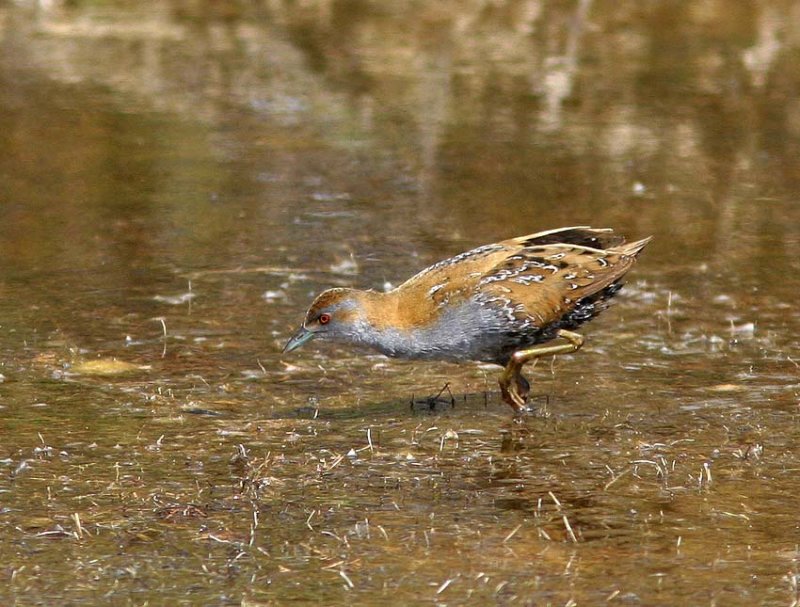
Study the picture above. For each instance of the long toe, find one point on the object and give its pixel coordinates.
(512, 396)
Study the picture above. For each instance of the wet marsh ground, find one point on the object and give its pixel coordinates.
(176, 184)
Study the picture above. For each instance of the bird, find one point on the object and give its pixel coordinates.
(496, 303)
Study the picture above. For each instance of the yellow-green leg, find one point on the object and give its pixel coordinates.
(513, 386)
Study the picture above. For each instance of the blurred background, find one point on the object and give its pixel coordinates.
(179, 178)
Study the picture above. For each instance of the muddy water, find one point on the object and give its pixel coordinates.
(177, 181)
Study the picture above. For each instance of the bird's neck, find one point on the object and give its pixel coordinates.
(380, 322)
(403, 309)
(377, 310)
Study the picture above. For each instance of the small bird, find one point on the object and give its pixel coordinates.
(492, 304)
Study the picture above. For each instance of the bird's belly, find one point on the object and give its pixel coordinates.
(490, 348)
(465, 334)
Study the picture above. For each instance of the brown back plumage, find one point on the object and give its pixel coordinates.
(543, 274)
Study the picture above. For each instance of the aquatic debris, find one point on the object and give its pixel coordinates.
(272, 295)
(750, 452)
(727, 388)
(747, 328)
(445, 584)
(175, 300)
(106, 366)
(345, 266)
(21, 467)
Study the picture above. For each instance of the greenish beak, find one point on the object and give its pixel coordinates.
(298, 339)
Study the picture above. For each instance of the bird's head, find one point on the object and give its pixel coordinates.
(334, 314)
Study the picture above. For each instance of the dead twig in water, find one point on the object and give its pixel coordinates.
(569, 529)
(513, 533)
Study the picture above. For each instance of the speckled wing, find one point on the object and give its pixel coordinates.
(455, 276)
(462, 272)
(517, 273)
(542, 282)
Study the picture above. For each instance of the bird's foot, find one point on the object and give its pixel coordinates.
(515, 392)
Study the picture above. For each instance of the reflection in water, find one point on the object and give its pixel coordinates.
(557, 82)
(176, 182)
(761, 57)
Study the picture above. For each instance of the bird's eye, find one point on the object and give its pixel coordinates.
(324, 318)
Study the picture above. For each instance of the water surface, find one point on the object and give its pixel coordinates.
(178, 181)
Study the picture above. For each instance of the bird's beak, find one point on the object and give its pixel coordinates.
(298, 339)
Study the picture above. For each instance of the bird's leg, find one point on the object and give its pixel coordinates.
(523, 387)
(513, 386)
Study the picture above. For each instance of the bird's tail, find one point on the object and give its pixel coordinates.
(632, 249)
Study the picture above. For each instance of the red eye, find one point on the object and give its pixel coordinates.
(324, 319)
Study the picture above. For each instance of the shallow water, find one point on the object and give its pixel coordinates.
(177, 182)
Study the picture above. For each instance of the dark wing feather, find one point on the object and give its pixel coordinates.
(582, 236)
